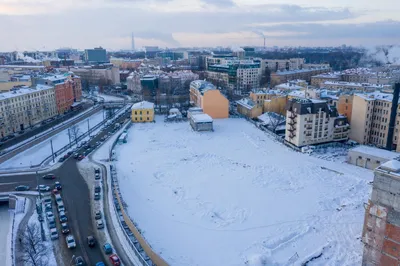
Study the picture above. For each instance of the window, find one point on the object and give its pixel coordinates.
(140, 112)
(378, 161)
(135, 118)
(141, 119)
(135, 112)
(147, 112)
(147, 118)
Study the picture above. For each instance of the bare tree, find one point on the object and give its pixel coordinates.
(75, 131)
(275, 120)
(33, 248)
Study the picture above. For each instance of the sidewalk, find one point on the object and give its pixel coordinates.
(22, 226)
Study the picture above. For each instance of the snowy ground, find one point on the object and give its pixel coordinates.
(39, 152)
(5, 218)
(236, 197)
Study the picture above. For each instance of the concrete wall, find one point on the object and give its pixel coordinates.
(215, 104)
(360, 121)
(345, 106)
(366, 161)
(250, 113)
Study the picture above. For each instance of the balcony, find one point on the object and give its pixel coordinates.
(292, 116)
(292, 135)
(292, 122)
(308, 127)
(292, 129)
(308, 121)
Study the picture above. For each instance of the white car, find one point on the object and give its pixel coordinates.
(49, 215)
(100, 224)
(43, 188)
(70, 241)
(53, 234)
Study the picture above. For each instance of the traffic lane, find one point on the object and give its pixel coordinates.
(75, 195)
(8, 183)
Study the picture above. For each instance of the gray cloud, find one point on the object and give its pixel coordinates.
(160, 36)
(219, 3)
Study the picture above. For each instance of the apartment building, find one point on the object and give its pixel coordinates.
(237, 75)
(204, 95)
(357, 75)
(354, 86)
(318, 80)
(249, 108)
(370, 120)
(24, 107)
(142, 112)
(280, 77)
(381, 231)
(123, 63)
(310, 121)
(282, 64)
(95, 75)
(345, 105)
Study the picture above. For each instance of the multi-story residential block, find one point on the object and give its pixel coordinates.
(381, 231)
(98, 75)
(204, 95)
(345, 105)
(237, 75)
(249, 108)
(123, 63)
(353, 86)
(318, 80)
(96, 55)
(370, 120)
(68, 89)
(142, 112)
(305, 74)
(310, 121)
(24, 107)
(282, 64)
(357, 75)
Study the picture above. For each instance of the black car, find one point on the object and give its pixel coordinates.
(69, 153)
(22, 188)
(79, 261)
(62, 159)
(64, 228)
(58, 186)
(49, 176)
(91, 241)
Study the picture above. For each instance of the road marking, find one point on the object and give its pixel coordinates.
(11, 183)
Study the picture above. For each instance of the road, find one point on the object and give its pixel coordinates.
(75, 194)
(35, 131)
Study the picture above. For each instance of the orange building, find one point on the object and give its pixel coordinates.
(64, 96)
(345, 105)
(204, 95)
(76, 88)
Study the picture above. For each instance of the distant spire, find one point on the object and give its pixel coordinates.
(133, 42)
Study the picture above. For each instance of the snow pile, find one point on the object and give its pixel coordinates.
(234, 197)
(110, 98)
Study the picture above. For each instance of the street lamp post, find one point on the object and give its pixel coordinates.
(37, 183)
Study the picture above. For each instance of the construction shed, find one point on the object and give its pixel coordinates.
(369, 157)
(201, 122)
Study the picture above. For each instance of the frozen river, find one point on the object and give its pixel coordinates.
(4, 227)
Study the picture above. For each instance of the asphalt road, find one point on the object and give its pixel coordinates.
(75, 194)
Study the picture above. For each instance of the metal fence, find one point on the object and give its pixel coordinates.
(12, 241)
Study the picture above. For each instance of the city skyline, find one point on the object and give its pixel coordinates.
(50, 24)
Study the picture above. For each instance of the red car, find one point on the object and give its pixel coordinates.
(80, 157)
(115, 260)
(49, 176)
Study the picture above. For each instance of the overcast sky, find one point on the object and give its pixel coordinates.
(50, 24)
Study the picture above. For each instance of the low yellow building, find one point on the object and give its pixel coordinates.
(249, 108)
(143, 112)
(276, 104)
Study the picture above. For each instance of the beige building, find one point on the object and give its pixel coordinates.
(249, 108)
(109, 75)
(354, 86)
(305, 74)
(318, 80)
(8, 85)
(370, 120)
(310, 122)
(25, 107)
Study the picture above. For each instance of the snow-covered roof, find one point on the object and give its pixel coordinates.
(392, 166)
(202, 118)
(288, 86)
(143, 105)
(298, 94)
(22, 91)
(246, 102)
(376, 152)
(376, 96)
(202, 85)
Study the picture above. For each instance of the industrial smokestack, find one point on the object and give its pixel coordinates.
(264, 42)
(392, 121)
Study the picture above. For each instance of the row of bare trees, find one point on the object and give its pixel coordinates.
(34, 250)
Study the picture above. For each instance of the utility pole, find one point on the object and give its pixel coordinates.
(88, 127)
(52, 150)
(37, 183)
(69, 136)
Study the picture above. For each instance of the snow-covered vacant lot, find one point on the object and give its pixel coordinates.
(236, 197)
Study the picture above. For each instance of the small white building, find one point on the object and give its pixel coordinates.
(370, 157)
(201, 122)
(194, 110)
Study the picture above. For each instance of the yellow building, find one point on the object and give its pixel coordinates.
(249, 108)
(143, 112)
(276, 104)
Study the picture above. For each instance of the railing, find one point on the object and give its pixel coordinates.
(13, 242)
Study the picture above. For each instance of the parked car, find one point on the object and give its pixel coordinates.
(43, 188)
(60, 207)
(97, 170)
(91, 241)
(58, 198)
(64, 228)
(97, 187)
(53, 234)
(100, 263)
(49, 215)
(97, 176)
(79, 261)
(107, 248)
(52, 223)
(61, 159)
(97, 215)
(80, 157)
(99, 224)
(114, 259)
(69, 153)
(22, 188)
(55, 191)
(57, 185)
(76, 155)
(70, 241)
(63, 217)
(49, 176)
(96, 196)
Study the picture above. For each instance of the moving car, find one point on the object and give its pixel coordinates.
(53, 234)
(43, 188)
(97, 215)
(114, 259)
(57, 185)
(64, 228)
(107, 248)
(99, 224)
(22, 188)
(91, 241)
(49, 176)
(70, 241)
(79, 261)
